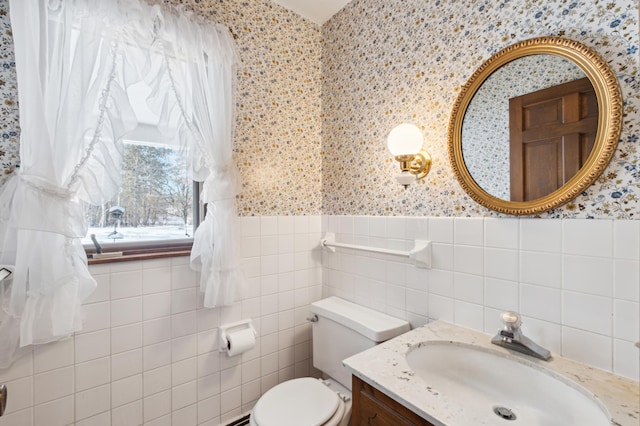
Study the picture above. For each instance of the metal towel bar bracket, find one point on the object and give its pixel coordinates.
(420, 254)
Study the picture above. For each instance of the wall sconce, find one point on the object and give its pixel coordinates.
(405, 143)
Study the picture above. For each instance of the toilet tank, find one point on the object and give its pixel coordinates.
(344, 329)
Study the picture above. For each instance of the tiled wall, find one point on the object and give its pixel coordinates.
(576, 282)
(148, 353)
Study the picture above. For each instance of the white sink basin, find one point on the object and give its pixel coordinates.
(493, 387)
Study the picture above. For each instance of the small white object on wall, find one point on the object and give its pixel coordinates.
(237, 338)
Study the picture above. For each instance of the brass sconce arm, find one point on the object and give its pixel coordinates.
(418, 164)
(405, 144)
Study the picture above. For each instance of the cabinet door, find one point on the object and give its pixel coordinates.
(372, 412)
(372, 407)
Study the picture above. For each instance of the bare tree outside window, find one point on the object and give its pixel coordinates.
(156, 194)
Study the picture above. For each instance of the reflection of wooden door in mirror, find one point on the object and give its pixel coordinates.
(552, 132)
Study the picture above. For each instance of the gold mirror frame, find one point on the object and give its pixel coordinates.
(609, 99)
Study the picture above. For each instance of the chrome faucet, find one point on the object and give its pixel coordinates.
(511, 337)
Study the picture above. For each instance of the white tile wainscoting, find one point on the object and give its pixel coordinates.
(576, 282)
(148, 353)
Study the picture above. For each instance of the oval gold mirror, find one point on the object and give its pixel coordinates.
(535, 125)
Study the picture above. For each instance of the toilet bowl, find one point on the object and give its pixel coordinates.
(303, 401)
(340, 329)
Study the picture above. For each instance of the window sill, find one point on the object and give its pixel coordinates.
(141, 256)
(132, 253)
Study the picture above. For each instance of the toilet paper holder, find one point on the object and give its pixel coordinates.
(225, 330)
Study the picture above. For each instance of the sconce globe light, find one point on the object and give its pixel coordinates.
(405, 139)
(405, 144)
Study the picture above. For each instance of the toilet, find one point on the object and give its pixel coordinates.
(340, 329)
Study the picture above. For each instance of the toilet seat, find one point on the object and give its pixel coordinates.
(305, 401)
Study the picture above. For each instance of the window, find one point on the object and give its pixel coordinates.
(75, 100)
(157, 205)
(155, 201)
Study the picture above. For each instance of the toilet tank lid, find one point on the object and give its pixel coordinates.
(374, 325)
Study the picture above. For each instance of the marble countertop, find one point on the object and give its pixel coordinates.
(385, 367)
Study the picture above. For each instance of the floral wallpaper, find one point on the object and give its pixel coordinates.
(315, 103)
(9, 122)
(485, 127)
(277, 139)
(392, 61)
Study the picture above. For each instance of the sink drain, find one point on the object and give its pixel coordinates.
(504, 413)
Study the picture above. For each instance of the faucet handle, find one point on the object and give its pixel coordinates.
(511, 319)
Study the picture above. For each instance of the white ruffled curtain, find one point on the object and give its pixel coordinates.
(74, 60)
(68, 78)
(200, 63)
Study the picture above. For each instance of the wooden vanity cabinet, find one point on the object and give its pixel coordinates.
(372, 407)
